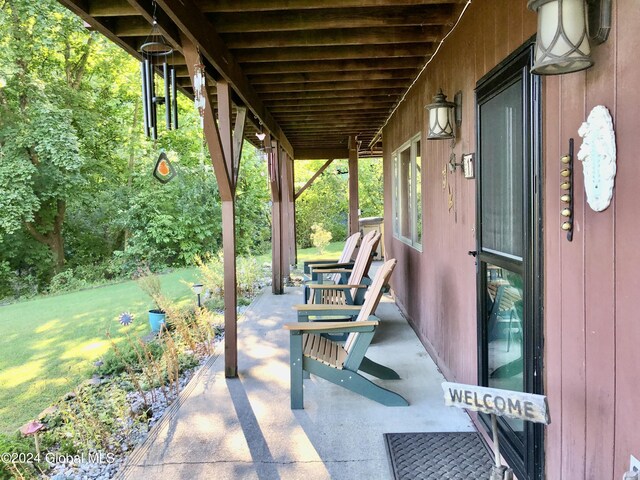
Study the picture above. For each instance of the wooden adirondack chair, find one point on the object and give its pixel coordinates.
(345, 291)
(312, 353)
(345, 259)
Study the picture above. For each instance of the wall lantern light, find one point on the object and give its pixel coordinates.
(562, 42)
(442, 116)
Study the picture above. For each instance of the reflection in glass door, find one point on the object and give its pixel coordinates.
(508, 225)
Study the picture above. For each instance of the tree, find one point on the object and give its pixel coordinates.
(40, 152)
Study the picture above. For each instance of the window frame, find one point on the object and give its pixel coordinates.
(411, 185)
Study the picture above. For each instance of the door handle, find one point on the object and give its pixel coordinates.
(473, 253)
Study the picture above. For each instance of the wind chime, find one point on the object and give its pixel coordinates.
(155, 53)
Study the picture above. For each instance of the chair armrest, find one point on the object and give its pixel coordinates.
(329, 286)
(324, 266)
(335, 327)
(325, 271)
(318, 309)
(306, 265)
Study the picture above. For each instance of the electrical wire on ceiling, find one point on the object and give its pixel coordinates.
(415, 80)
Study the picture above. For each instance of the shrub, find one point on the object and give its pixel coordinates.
(16, 444)
(149, 283)
(128, 355)
(65, 282)
(248, 270)
(320, 238)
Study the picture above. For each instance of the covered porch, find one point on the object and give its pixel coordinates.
(243, 427)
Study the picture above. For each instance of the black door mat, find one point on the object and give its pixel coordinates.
(438, 456)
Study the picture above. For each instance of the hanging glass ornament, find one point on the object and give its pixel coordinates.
(199, 90)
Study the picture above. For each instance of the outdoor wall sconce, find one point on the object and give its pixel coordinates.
(562, 41)
(441, 117)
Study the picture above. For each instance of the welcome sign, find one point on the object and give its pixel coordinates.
(505, 403)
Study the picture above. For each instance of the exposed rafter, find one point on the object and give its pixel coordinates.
(312, 72)
(186, 15)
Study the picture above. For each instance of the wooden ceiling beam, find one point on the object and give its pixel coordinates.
(332, 86)
(103, 25)
(234, 6)
(132, 26)
(344, 52)
(193, 23)
(113, 8)
(361, 64)
(335, 37)
(362, 75)
(278, 96)
(337, 125)
(333, 103)
(167, 28)
(291, 20)
(328, 112)
(321, 154)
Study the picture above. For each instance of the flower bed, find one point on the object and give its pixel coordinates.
(91, 430)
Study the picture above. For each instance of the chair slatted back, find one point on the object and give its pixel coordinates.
(372, 298)
(347, 252)
(363, 260)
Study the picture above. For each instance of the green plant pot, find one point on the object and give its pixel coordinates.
(156, 320)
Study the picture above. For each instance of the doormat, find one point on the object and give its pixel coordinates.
(438, 456)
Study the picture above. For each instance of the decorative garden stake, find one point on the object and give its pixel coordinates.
(125, 318)
(164, 171)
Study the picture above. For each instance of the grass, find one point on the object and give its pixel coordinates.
(49, 343)
(333, 250)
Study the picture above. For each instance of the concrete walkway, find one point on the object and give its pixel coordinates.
(244, 429)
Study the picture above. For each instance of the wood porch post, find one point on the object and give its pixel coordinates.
(290, 208)
(276, 216)
(225, 166)
(223, 92)
(354, 205)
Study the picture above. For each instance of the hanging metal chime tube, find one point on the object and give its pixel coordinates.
(167, 95)
(152, 98)
(145, 106)
(174, 98)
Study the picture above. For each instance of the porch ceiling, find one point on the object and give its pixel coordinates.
(313, 72)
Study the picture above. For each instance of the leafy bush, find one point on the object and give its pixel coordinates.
(248, 270)
(320, 238)
(129, 354)
(16, 444)
(65, 281)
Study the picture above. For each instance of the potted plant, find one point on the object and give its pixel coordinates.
(150, 284)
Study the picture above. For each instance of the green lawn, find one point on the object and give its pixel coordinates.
(51, 342)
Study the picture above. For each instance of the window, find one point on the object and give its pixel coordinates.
(407, 193)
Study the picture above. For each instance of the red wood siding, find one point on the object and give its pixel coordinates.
(591, 285)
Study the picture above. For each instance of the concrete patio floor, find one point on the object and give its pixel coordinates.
(244, 429)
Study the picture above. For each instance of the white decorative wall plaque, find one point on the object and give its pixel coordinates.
(598, 156)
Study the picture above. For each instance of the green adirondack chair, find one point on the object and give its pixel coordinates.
(337, 363)
(346, 290)
(345, 259)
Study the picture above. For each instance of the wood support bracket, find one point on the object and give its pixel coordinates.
(313, 178)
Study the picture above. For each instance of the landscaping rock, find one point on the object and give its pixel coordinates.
(69, 396)
(48, 411)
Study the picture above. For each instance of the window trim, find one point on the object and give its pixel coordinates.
(396, 204)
